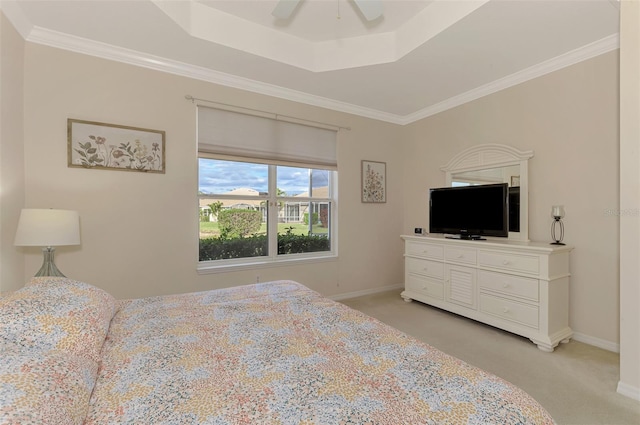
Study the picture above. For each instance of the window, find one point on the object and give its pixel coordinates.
(263, 200)
(268, 211)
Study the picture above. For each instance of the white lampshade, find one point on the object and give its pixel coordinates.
(557, 211)
(48, 227)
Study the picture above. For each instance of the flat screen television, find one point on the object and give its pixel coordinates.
(470, 212)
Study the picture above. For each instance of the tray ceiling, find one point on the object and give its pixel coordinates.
(419, 58)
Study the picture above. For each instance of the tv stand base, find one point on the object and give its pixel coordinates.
(467, 238)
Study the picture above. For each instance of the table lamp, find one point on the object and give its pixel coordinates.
(48, 228)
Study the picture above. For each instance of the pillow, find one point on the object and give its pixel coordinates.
(45, 388)
(57, 313)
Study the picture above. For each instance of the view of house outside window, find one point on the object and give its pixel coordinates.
(253, 210)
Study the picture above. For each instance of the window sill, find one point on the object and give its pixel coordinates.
(209, 267)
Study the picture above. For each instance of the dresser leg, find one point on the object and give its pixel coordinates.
(406, 298)
(543, 346)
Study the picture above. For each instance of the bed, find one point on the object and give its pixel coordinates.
(270, 353)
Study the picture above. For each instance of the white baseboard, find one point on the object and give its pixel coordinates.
(628, 391)
(597, 342)
(348, 295)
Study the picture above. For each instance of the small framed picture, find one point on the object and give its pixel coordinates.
(374, 182)
(114, 147)
(515, 181)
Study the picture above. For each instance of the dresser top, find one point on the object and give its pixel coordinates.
(495, 243)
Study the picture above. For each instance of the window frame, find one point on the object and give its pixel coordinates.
(273, 259)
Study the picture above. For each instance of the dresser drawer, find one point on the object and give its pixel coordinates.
(509, 310)
(513, 262)
(460, 255)
(425, 250)
(509, 285)
(425, 286)
(425, 267)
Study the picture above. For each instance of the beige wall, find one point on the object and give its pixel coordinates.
(11, 154)
(139, 231)
(570, 120)
(630, 199)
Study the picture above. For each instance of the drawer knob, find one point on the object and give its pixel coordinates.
(506, 262)
(460, 255)
(426, 269)
(505, 285)
(505, 310)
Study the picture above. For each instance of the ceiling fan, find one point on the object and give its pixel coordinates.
(371, 9)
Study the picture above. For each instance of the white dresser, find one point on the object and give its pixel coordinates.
(521, 287)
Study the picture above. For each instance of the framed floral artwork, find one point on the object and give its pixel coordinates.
(114, 147)
(374, 182)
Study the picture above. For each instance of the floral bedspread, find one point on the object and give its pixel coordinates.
(279, 353)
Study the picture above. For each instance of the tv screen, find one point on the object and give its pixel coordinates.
(470, 211)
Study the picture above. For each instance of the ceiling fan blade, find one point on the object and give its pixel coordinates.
(371, 9)
(285, 8)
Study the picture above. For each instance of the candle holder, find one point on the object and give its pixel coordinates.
(557, 212)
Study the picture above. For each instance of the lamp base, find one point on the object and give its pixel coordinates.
(557, 243)
(48, 266)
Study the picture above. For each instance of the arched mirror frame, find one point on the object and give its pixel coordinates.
(490, 156)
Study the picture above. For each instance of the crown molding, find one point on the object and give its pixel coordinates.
(76, 44)
(72, 43)
(572, 57)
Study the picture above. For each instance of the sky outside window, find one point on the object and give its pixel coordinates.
(294, 181)
(219, 177)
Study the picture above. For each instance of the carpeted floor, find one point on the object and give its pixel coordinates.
(576, 383)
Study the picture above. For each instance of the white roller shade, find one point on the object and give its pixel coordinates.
(237, 134)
